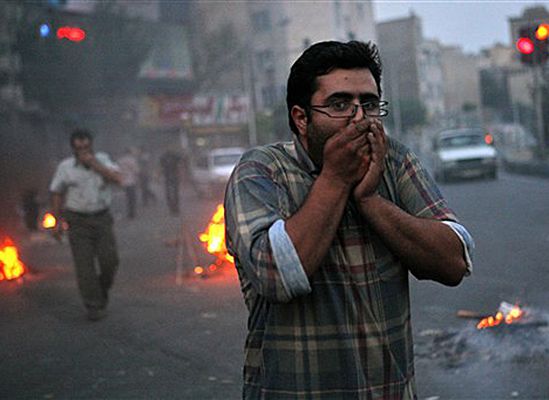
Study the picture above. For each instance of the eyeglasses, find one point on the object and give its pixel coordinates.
(348, 109)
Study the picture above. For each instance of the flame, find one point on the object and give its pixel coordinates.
(508, 314)
(214, 239)
(198, 270)
(11, 266)
(49, 221)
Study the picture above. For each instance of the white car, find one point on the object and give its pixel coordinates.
(464, 153)
(211, 171)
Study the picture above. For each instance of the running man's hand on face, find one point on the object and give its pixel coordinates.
(345, 154)
(86, 157)
(374, 159)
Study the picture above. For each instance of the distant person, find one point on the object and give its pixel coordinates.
(171, 162)
(129, 168)
(325, 230)
(81, 193)
(145, 169)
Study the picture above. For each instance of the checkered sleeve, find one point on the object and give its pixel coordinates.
(420, 196)
(254, 201)
(418, 193)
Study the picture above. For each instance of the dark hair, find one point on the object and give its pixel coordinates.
(322, 58)
(81, 134)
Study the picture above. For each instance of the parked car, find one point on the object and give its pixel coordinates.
(464, 153)
(211, 170)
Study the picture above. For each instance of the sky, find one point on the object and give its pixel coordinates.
(473, 25)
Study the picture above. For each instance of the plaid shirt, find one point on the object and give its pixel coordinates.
(349, 337)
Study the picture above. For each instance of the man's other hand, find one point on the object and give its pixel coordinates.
(346, 154)
(375, 135)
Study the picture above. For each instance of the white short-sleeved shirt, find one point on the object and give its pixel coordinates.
(85, 190)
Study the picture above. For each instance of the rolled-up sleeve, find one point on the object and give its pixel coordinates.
(420, 196)
(467, 241)
(255, 206)
(291, 270)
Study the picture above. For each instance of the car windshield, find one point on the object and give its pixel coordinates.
(226, 159)
(461, 141)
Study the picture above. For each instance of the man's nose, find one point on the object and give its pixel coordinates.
(359, 113)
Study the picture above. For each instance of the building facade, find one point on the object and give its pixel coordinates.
(271, 35)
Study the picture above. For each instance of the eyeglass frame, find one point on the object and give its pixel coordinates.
(382, 103)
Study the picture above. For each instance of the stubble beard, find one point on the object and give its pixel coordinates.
(316, 141)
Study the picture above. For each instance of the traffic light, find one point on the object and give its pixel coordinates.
(532, 44)
(71, 33)
(542, 34)
(525, 45)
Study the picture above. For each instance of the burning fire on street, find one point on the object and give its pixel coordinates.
(11, 267)
(213, 240)
(49, 221)
(507, 314)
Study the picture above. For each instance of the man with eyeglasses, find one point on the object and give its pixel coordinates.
(325, 229)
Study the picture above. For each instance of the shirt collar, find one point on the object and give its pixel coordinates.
(77, 163)
(303, 158)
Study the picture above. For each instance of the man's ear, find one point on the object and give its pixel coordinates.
(299, 117)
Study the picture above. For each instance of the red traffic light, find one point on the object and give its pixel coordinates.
(71, 33)
(525, 45)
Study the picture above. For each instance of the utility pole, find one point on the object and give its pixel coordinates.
(249, 85)
(539, 84)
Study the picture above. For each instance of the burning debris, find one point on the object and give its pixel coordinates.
(49, 221)
(507, 313)
(517, 334)
(11, 267)
(214, 236)
(213, 239)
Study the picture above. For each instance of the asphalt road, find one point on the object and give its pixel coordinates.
(170, 339)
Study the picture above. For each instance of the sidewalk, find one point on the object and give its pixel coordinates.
(523, 162)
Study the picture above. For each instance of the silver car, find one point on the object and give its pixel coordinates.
(464, 153)
(210, 171)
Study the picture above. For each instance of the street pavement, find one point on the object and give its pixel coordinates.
(164, 338)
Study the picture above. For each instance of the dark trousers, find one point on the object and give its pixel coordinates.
(147, 195)
(91, 238)
(172, 195)
(131, 200)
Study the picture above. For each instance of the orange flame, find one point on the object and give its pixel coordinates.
(214, 237)
(198, 270)
(508, 314)
(49, 221)
(11, 266)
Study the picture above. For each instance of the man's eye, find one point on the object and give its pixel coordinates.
(340, 105)
(374, 105)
